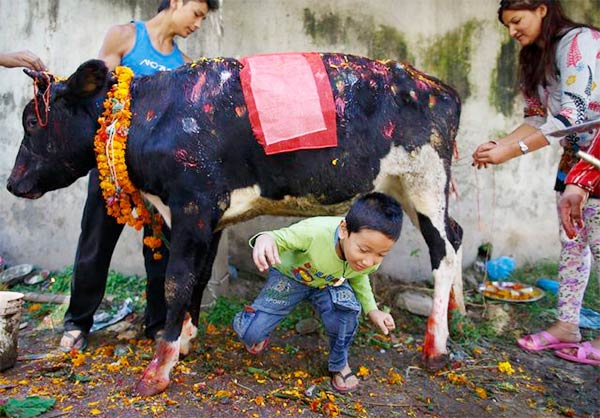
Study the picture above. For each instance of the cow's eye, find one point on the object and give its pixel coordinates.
(30, 123)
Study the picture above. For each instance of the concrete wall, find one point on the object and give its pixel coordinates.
(459, 41)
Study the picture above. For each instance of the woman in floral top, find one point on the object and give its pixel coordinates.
(559, 70)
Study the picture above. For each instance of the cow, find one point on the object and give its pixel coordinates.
(193, 154)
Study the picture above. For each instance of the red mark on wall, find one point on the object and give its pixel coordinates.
(150, 115)
(201, 224)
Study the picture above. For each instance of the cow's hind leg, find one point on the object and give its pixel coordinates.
(420, 182)
(445, 252)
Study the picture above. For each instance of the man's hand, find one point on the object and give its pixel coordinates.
(570, 207)
(265, 253)
(24, 58)
(383, 320)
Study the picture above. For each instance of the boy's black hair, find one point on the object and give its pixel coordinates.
(212, 5)
(378, 212)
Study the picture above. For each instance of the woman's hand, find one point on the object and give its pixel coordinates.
(492, 153)
(480, 151)
(383, 320)
(265, 253)
(570, 207)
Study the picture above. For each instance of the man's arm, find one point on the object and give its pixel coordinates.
(23, 58)
(117, 42)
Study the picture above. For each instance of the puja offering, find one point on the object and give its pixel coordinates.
(510, 291)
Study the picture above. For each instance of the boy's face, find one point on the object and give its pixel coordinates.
(365, 248)
(189, 16)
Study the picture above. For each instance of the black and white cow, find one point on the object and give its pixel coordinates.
(192, 151)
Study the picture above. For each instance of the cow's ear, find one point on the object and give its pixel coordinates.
(89, 78)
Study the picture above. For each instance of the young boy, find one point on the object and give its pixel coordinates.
(326, 260)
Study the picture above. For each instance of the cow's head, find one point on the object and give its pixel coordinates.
(59, 123)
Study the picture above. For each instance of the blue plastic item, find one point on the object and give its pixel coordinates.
(500, 268)
(548, 285)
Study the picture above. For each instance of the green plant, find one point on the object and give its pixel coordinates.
(223, 311)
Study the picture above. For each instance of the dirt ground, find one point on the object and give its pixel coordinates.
(219, 379)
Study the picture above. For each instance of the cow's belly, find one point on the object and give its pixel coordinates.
(247, 203)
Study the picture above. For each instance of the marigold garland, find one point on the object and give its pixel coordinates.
(123, 200)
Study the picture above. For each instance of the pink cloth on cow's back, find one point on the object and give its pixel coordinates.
(289, 100)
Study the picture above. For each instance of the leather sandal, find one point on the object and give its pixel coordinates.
(74, 343)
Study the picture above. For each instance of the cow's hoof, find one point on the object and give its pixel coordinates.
(151, 387)
(188, 333)
(436, 363)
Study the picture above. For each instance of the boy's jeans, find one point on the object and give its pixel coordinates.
(338, 307)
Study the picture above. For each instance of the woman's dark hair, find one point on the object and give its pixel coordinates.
(212, 5)
(378, 212)
(537, 64)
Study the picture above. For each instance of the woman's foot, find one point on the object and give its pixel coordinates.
(73, 340)
(559, 335)
(585, 353)
(344, 381)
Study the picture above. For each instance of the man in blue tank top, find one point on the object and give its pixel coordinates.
(145, 47)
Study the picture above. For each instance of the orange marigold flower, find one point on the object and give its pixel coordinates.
(363, 372)
(481, 392)
(110, 143)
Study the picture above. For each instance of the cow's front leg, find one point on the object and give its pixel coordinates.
(186, 246)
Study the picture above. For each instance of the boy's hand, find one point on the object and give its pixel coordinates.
(383, 320)
(265, 253)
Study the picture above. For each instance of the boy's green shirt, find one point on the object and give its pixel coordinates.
(307, 252)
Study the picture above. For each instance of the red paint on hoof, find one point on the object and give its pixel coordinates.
(436, 363)
(188, 332)
(429, 341)
(431, 358)
(151, 382)
(452, 305)
(156, 376)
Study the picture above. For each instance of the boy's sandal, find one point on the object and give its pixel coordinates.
(70, 342)
(584, 353)
(257, 350)
(344, 377)
(543, 340)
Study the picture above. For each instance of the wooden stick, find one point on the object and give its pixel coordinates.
(46, 298)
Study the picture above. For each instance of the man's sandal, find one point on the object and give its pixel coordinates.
(344, 377)
(70, 342)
